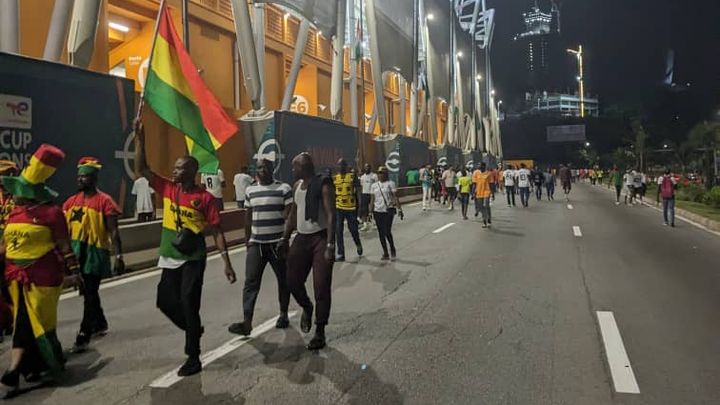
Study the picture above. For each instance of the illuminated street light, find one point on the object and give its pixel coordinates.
(431, 16)
(479, 77)
(492, 92)
(581, 77)
(459, 54)
(587, 144)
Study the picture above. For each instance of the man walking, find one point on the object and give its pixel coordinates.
(549, 180)
(426, 179)
(566, 178)
(366, 181)
(346, 191)
(509, 176)
(616, 178)
(313, 216)
(448, 178)
(523, 177)
(267, 206)
(92, 218)
(481, 184)
(241, 181)
(188, 211)
(666, 190)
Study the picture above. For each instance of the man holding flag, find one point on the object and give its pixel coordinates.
(177, 94)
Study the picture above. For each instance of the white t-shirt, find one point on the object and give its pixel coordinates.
(366, 181)
(384, 192)
(628, 179)
(448, 177)
(509, 176)
(213, 183)
(241, 182)
(523, 178)
(144, 200)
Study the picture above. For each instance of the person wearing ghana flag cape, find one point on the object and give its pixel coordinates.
(37, 257)
(188, 211)
(92, 218)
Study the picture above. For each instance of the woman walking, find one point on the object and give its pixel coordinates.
(465, 183)
(37, 252)
(385, 205)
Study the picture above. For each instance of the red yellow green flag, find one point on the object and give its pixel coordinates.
(177, 94)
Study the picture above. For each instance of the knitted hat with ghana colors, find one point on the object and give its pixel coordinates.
(89, 165)
(30, 183)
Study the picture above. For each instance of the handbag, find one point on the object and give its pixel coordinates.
(186, 241)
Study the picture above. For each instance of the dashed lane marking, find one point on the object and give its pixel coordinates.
(577, 232)
(617, 358)
(444, 227)
(171, 378)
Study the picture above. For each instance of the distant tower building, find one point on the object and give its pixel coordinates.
(540, 44)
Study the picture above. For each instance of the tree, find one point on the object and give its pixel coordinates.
(641, 137)
(705, 138)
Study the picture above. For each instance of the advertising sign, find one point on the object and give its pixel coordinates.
(566, 133)
(81, 112)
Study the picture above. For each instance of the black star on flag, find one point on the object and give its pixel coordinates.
(77, 215)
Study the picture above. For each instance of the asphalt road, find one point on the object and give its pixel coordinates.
(466, 315)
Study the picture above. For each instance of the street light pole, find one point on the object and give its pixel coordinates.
(581, 77)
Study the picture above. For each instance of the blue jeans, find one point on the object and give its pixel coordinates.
(524, 195)
(352, 221)
(510, 191)
(669, 207)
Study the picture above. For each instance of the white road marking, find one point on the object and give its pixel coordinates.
(620, 368)
(570, 206)
(413, 204)
(169, 379)
(576, 231)
(142, 276)
(444, 227)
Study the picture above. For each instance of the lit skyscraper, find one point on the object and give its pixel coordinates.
(540, 43)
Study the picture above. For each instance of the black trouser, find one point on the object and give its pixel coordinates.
(145, 217)
(178, 297)
(257, 258)
(538, 191)
(510, 191)
(618, 191)
(384, 221)
(341, 217)
(307, 252)
(93, 315)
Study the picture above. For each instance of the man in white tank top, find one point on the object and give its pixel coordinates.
(313, 216)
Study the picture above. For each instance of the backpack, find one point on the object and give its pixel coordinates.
(667, 190)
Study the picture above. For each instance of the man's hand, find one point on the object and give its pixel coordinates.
(330, 253)
(230, 274)
(282, 249)
(119, 266)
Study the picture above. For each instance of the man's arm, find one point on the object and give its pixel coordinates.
(291, 222)
(221, 244)
(328, 201)
(112, 225)
(141, 165)
(248, 225)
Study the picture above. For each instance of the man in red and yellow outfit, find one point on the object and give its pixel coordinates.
(7, 168)
(92, 218)
(37, 252)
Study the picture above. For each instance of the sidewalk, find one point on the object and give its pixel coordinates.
(696, 220)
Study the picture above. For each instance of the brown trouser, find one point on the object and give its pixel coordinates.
(308, 252)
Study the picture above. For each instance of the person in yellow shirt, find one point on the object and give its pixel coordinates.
(346, 192)
(481, 186)
(465, 183)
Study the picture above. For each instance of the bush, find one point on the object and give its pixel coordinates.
(712, 197)
(691, 192)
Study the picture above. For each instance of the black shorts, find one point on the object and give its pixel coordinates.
(452, 192)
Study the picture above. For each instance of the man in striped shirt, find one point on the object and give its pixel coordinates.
(267, 205)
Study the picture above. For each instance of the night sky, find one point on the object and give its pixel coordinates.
(625, 43)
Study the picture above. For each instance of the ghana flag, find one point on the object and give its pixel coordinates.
(177, 94)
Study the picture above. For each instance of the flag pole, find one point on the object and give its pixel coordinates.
(157, 26)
